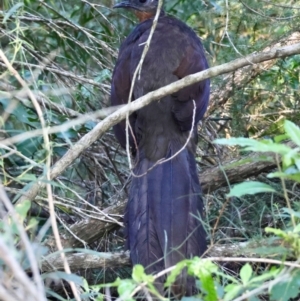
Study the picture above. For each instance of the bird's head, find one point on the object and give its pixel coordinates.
(140, 5)
(144, 9)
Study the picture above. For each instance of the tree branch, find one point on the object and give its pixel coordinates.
(121, 259)
(120, 114)
(238, 79)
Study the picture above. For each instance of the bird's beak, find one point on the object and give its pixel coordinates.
(123, 4)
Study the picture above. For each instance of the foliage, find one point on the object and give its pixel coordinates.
(65, 52)
(290, 158)
(279, 282)
(289, 170)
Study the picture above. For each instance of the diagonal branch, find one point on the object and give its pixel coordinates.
(241, 77)
(120, 114)
(246, 251)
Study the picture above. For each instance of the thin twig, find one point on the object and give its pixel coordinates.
(136, 72)
(163, 160)
(48, 165)
(120, 114)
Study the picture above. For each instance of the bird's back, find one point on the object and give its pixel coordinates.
(175, 51)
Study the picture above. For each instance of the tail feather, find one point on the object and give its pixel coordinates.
(142, 240)
(163, 217)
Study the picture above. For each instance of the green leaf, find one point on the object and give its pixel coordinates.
(174, 273)
(125, 289)
(204, 269)
(100, 298)
(30, 146)
(285, 291)
(297, 229)
(22, 113)
(280, 138)
(266, 275)
(33, 222)
(290, 212)
(23, 208)
(283, 175)
(27, 177)
(256, 146)
(251, 187)
(290, 157)
(232, 290)
(85, 285)
(116, 283)
(198, 265)
(293, 131)
(246, 273)
(297, 161)
(12, 11)
(277, 232)
(236, 141)
(209, 287)
(138, 273)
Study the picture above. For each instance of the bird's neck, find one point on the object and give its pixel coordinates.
(142, 16)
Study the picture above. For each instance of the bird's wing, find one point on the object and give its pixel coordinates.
(120, 89)
(193, 61)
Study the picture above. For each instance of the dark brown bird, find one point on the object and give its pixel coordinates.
(163, 215)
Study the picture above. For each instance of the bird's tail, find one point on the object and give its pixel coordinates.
(163, 216)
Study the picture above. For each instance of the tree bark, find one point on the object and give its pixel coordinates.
(121, 259)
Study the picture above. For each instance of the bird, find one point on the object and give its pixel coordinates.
(164, 215)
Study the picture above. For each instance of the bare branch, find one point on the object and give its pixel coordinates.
(86, 261)
(120, 114)
(85, 229)
(238, 79)
(246, 251)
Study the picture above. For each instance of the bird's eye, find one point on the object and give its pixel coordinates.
(143, 1)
